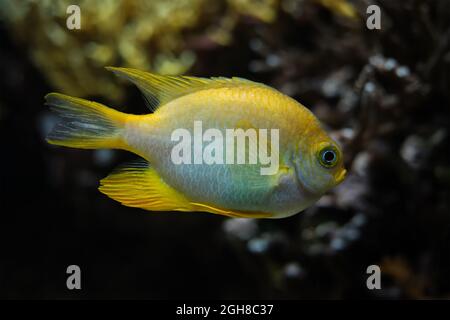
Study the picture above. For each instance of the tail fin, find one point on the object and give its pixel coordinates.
(85, 124)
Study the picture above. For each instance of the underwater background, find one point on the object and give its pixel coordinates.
(383, 94)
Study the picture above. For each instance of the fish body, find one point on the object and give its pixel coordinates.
(231, 189)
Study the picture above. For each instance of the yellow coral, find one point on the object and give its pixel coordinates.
(147, 35)
(342, 7)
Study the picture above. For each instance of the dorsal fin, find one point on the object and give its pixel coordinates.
(159, 90)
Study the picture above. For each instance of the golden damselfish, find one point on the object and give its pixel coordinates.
(308, 161)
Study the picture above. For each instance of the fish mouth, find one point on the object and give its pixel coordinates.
(341, 176)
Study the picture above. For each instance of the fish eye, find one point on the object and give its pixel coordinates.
(328, 157)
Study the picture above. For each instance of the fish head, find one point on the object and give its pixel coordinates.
(319, 164)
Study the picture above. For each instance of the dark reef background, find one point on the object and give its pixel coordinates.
(384, 94)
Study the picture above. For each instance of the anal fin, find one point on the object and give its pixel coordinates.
(138, 185)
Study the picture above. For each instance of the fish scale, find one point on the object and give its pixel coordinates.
(157, 183)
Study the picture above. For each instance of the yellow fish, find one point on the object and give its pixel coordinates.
(306, 161)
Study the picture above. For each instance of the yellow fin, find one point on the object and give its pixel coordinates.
(138, 185)
(85, 124)
(230, 213)
(159, 89)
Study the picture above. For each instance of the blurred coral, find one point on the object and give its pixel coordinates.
(147, 35)
(382, 94)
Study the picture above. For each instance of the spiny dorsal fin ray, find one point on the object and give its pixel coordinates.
(160, 89)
